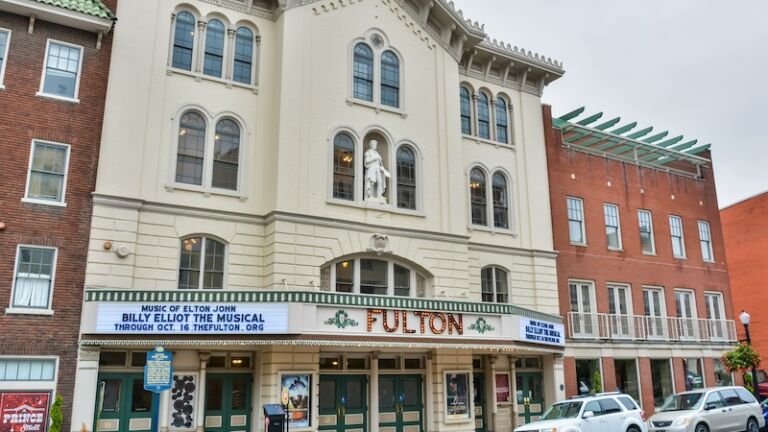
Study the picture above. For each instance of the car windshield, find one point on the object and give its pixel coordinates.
(562, 410)
(684, 401)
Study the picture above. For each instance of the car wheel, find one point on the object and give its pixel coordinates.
(752, 425)
(701, 427)
(633, 429)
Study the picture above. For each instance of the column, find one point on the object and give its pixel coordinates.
(492, 119)
(373, 425)
(229, 59)
(200, 46)
(429, 403)
(475, 124)
(170, 42)
(256, 62)
(163, 419)
(201, 392)
(86, 382)
(491, 412)
(513, 388)
(257, 419)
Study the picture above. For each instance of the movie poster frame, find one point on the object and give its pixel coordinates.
(468, 391)
(310, 391)
(508, 401)
(51, 397)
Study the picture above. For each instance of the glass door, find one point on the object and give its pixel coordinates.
(530, 395)
(686, 314)
(715, 315)
(401, 406)
(343, 403)
(478, 386)
(228, 402)
(583, 318)
(654, 313)
(619, 305)
(122, 404)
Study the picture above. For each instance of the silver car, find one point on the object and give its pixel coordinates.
(717, 409)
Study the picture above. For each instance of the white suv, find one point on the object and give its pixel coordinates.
(716, 409)
(614, 412)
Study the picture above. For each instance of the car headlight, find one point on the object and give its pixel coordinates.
(682, 421)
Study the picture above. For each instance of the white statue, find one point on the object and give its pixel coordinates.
(375, 174)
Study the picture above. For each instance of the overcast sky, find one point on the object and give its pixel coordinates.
(693, 67)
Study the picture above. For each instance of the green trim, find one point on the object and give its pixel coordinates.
(315, 297)
(481, 326)
(341, 320)
(93, 8)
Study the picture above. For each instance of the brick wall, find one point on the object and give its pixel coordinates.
(25, 117)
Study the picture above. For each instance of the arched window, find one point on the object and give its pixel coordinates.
(390, 79)
(493, 282)
(406, 178)
(500, 202)
(183, 41)
(243, 55)
(214, 48)
(363, 73)
(502, 122)
(466, 111)
(191, 149)
(201, 265)
(344, 167)
(477, 197)
(376, 276)
(226, 155)
(483, 116)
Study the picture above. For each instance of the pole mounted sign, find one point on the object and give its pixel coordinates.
(158, 376)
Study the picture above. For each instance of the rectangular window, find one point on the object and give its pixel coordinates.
(587, 376)
(661, 377)
(705, 238)
(653, 308)
(47, 177)
(676, 231)
(5, 39)
(627, 379)
(722, 376)
(694, 377)
(612, 227)
(645, 221)
(576, 221)
(22, 369)
(61, 75)
(716, 324)
(583, 319)
(33, 283)
(686, 314)
(619, 306)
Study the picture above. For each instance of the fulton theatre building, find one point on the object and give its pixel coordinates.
(344, 199)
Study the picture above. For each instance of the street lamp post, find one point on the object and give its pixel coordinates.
(744, 317)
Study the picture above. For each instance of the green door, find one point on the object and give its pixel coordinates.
(120, 400)
(401, 406)
(478, 381)
(343, 403)
(228, 402)
(530, 395)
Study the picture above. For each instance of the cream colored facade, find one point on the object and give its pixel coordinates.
(282, 224)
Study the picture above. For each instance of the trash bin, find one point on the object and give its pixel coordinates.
(274, 418)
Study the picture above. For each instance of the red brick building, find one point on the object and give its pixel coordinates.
(641, 267)
(745, 230)
(54, 63)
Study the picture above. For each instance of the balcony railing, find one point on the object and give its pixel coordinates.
(649, 328)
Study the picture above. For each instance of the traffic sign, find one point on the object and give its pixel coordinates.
(158, 372)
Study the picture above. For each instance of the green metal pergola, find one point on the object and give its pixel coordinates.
(656, 151)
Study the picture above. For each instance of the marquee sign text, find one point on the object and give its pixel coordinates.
(409, 322)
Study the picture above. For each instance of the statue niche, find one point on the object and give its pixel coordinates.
(376, 175)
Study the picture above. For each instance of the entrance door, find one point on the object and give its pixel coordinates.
(478, 381)
(583, 319)
(122, 404)
(401, 407)
(686, 312)
(653, 306)
(530, 395)
(619, 304)
(344, 403)
(228, 402)
(715, 315)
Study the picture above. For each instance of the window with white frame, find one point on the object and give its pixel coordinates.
(645, 221)
(465, 100)
(612, 226)
(705, 238)
(654, 311)
(33, 283)
(575, 207)
(61, 73)
(343, 167)
(208, 159)
(27, 369)
(406, 178)
(376, 72)
(228, 53)
(502, 121)
(583, 319)
(676, 232)
(201, 263)
(480, 195)
(5, 42)
(47, 177)
(494, 285)
(483, 116)
(373, 276)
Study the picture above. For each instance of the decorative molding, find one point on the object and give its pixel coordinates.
(318, 297)
(331, 6)
(481, 326)
(341, 320)
(239, 7)
(409, 17)
(379, 243)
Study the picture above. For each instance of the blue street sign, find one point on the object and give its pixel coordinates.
(158, 372)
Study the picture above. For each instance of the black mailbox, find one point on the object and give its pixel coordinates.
(274, 418)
